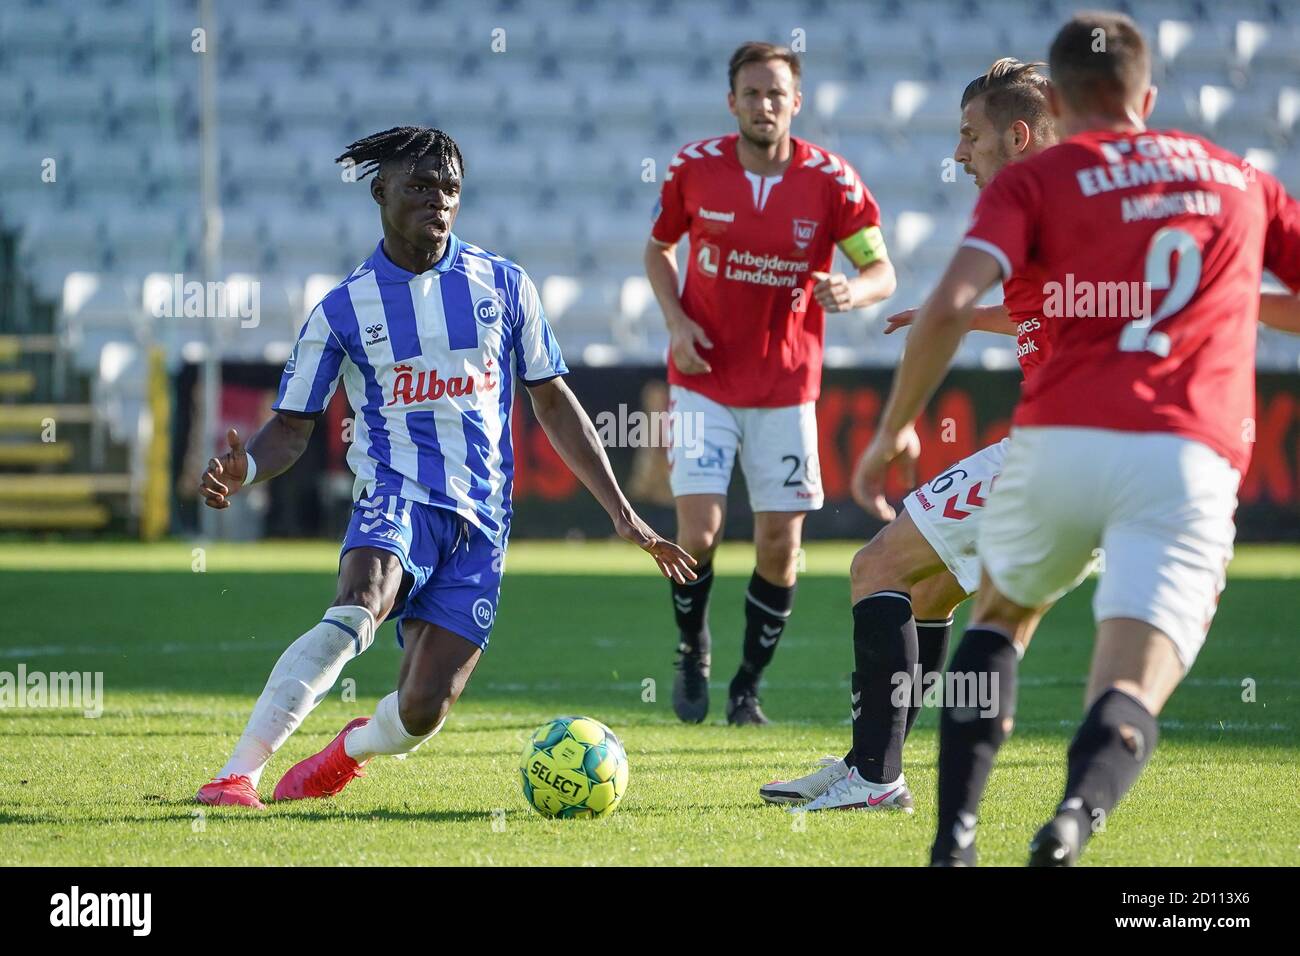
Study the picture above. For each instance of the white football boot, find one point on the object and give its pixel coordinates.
(829, 770)
(854, 793)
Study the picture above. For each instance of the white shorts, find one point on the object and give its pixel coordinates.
(947, 511)
(777, 449)
(1155, 510)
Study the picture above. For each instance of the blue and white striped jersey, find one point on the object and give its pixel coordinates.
(429, 362)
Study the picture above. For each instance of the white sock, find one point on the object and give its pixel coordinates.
(299, 681)
(385, 734)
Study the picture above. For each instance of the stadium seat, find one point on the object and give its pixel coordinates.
(847, 107)
(242, 243)
(36, 28)
(920, 107)
(964, 46)
(1028, 38)
(303, 243)
(1183, 44)
(103, 28)
(662, 40)
(891, 43)
(72, 98)
(1268, 45)
(14, 97)
(97, 309)
(272, 33)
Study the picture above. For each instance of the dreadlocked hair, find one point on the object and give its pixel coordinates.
(408, 144)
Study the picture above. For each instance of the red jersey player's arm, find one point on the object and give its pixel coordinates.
(946, 316)
(874, 282)
(661, 270)
(941, 323)
(988, 318)
(686, 337)
(275, 447)
(863, 243)
(575, 438)
(1278, 310)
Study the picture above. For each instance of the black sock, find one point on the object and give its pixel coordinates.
(968, 740)
(691, 605)
(855, 695)
(884, 647)
(932, 654)
(1106, 756)
(767, 608)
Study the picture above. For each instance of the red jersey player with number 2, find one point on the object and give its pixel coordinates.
(765, 212)
(1133, 436)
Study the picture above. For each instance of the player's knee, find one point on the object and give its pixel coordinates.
(875, 568)
(424, 707)
(994, 610)
(369, 596)
(700, 543)
(423, 710)
(936, 597)
(778, 562)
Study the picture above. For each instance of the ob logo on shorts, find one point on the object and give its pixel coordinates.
(483, 613)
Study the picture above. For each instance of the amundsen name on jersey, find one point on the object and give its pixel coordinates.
(744, 266)
(1157, 159)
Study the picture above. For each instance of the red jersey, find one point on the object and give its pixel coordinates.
(1022, 295)
(1152, 246)
(754, 243)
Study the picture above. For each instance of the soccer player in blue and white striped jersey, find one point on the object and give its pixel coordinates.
(430, 336)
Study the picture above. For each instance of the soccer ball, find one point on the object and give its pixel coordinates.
(573, 767)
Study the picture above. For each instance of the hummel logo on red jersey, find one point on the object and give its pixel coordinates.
(717, 216)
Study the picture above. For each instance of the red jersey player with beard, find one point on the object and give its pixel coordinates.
(765, 212)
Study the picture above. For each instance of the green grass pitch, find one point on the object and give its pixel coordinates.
(581, 629)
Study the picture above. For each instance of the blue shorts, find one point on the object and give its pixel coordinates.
(455, 568)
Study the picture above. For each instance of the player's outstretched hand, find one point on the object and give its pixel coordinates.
(686, 338)
(674, 563)
(868, 484)
(900, 320)
(225, 475)
(833, 291)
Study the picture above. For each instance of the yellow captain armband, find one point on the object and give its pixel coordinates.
(865, 246)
